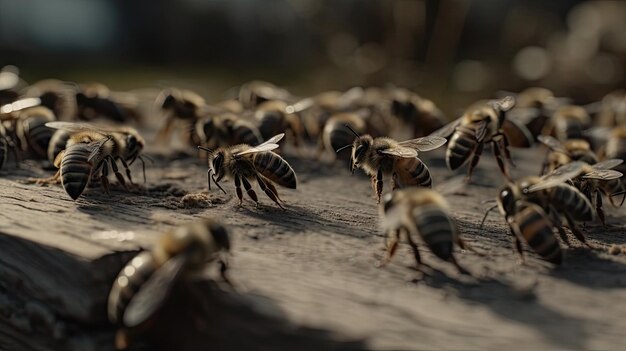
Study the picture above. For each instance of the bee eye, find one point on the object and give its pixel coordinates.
(131, 142)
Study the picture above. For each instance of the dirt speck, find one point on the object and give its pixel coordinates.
(197, 200)
(616, 249)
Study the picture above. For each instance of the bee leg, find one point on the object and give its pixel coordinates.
(379, 184)
(478, 150)
(394, 181)
(576, 231)
(415, 251)
(507, 153)
(374, 185)
(130, 179)
(118, 175)
(273, 189)
(271, 194)
(497, 152)
(104, 179)
(238, 188)
(563, 235)
(249, 190)
(392, 245)
(516, 241)
(460, 268)
(599, 209)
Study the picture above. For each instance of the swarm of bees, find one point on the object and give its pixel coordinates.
(86, 131)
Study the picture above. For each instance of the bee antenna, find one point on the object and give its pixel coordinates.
(343, 148)
(205, 149)
(487, 214)
(352, 130)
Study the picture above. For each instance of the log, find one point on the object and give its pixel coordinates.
(305, 276)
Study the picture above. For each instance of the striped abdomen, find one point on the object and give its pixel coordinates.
(243, 133)
(37, 135)
(436, 229)
(275, 168)
(461, 146)
(411, 172)
(57, 143)
(127, 284)
(536, 229)
(76, 169)
(566, 198)
(569, 129)
(270, 124)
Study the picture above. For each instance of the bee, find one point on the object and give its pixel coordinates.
(31, 129)
(58, 96)
(615, 146)
(9, 123)
(95, 100)
(144, 285)
(10, 83)
(533, 207)
(91, 150)
(563, 153)
(244, 163)
(610, 111)
(568, 122)
(385, 156)
(272, 118)
(420, 113)
(57, 143)
(598, 179)
(226, 129)
(482, 123)
(254, 93)
(336, 133)
(421, 214)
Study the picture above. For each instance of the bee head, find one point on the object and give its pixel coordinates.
(217, 163)
(359, 148)
(506, 200)
(134, 145)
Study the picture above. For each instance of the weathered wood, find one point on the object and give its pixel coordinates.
(315, 261)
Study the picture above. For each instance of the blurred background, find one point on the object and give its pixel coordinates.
(452, 51)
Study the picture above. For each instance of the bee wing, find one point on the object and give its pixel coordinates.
(481, 130)
(603, 174)
(517, 133)
(607, 164)
(558, 176)
(552, 143)
(400, 151)
(154, 292)
(523, 115)
(81, 127)
(269, 145)
(426, 143)
(447, 130)
(95, 147)
(300, 105)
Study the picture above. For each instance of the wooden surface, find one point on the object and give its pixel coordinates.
(305, 276)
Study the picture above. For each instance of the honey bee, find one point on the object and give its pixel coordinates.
(533, 207)
(144, 285)
(598, 179)
(58, 96)
(90, 150)
(482, 123)
(533, 108)
(254, 93)
(272, 118)
(226, 129)
(418, 112)
(568, 122)
(95, 100)
(563, 153)
(421, 214)
(244, 163)
(10, 122)
(385, 156)
(31, 130)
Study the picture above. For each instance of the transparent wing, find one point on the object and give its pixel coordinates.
(552, 143)
(82, 127)
(481, 130)
(447, 130)
(603, 174)
(269, 145)
(154, 292)
(523, 115)
(400, 151)
(607, 164)
(426, 143)
(95, 147)
(558, 176)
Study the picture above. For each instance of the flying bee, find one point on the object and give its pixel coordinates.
(564, 153)
(226, 129)
(31, 129)
(385, 156)
(272, 118)
(244, 163)
(568, 122)
(598, 179)
(483, 122)
(95, 100)
(422, 214)
(416, 111)
(532, 205)
(92, 149)
(144, 285)
(254, 93)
